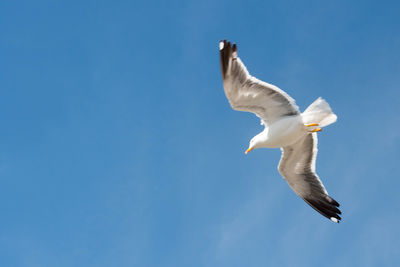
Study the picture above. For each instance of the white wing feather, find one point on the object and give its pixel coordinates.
(297, 166)
(247, 93)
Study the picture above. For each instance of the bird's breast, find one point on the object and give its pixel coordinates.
(285, 132)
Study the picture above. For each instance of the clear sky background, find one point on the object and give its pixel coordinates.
(119, 148)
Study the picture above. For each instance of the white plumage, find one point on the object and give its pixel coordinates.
(285, 127)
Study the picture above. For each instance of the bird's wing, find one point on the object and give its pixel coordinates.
(247, 93)
(297, 166)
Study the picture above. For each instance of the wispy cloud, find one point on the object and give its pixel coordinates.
(254, 212)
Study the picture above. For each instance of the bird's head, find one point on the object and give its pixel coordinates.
(255, 142)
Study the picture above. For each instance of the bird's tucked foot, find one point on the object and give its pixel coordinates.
(316, 130)
(313, 125)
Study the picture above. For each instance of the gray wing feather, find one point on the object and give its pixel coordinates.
(297, 166)
(247, 93)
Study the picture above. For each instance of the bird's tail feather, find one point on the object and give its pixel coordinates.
(319, 112)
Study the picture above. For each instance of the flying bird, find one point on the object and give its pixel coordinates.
(285, 127)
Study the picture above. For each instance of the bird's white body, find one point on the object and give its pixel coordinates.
(289, 129)
(283, 132)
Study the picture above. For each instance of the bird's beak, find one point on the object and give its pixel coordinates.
(248, 150)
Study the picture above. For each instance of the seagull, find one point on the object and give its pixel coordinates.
(285, 127)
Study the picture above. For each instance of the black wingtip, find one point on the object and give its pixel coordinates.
(326, 206)
(334, 202)
(226, 51)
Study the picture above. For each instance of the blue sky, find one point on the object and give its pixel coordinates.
(119, 148)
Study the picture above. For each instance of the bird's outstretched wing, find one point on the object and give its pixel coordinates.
(247, 93)
(297, 166)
